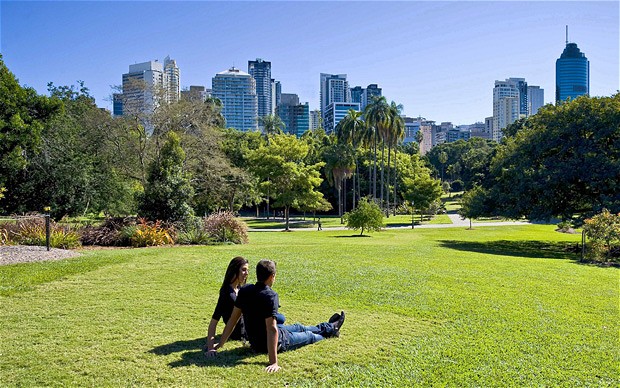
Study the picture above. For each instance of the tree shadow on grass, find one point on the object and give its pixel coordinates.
(193, 354)
(353, 235)
(530, 248)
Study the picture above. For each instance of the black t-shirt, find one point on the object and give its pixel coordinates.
(224, 308)
(258, 302)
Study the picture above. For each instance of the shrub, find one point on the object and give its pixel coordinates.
(31, 231)
(225, 227)
(109, 233)
(367, 215)
(457, 185)
(150, 234)
(604, 232)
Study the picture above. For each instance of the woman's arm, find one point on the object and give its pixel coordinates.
(211, 334)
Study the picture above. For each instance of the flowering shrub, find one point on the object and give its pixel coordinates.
(225, 227)
(150, 234)
(604, 232)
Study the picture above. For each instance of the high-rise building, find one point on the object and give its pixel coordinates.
(356, 94)
(172, 80)
(372, 90)
(572, 73)
(507, 104)
(260, 70)
(535, 99)
(237, 92)
(334, 88)
(295, 116)
(276, 93)
(335, 112)
(315, 119)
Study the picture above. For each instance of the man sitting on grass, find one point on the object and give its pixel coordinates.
(259, 305)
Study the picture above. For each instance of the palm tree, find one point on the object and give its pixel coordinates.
(350, 130)
(339, 166)
(272, 124)
(395, 134)
(378, 116)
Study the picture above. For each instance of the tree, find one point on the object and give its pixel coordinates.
(367, 215)
(284, 175)
(272, 124)
(563, 162)
(350, 130)
(443, 158)
(23, 115)
(417, 184)
(167, 192)
(339, 165)
(395, 135)
(473, 205)
(378, 116)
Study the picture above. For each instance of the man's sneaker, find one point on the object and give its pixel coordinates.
(334, 318)
(338, 324)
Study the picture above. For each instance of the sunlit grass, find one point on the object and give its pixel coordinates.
(494, 306)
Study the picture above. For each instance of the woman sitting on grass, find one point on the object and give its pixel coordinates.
(236, 276)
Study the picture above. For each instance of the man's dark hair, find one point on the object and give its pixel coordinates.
(264, 269)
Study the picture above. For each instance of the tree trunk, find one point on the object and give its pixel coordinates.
(387, 191)
(395, 177)
(344, 195)
(374, 173)
(354, 174)
(340, 205)
(382, 168)
(286, 217)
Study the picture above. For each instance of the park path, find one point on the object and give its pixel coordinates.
(457, 222)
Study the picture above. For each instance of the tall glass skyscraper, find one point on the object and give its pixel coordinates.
(572, 74)
(261, 71)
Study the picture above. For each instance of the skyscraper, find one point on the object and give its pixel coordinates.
(335, 112)
(237, 91)
(572, 73)
(334, 88)
(295, 116)
(142, 92)
(172, 80)
(506, 104)
(535, 99)
(261, 72)
(372, 90)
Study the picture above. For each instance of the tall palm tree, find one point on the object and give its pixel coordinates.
(272, 124)
(396, 134)
(350, 130)
(378, 115)
(339, 166)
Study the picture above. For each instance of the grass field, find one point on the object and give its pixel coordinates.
(494, 306)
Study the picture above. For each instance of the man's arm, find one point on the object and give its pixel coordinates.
(272, 344)
(230, 326)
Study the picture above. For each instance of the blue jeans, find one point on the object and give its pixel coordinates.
(297, 335)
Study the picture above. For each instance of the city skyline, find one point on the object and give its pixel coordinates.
(439, 60)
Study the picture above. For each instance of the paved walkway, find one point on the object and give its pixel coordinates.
(457, 222)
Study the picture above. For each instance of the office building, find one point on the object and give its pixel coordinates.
(333, 88)
(335, 112)
(535, 99)
(237, 92)
(572, 74)
(372, 90)
(295, 116)
(260, 70)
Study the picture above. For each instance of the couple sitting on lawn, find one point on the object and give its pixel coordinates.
(252, 312)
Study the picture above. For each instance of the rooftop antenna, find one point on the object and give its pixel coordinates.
(567, 34)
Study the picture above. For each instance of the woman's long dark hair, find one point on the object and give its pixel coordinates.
(233, 270)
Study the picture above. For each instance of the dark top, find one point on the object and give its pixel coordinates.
(257, 302)
(224, 308)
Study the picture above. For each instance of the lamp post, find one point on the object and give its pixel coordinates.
(47, 210)
(412, 221)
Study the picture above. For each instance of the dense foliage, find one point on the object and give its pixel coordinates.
(366, 216)
(603, 230)
(562, 162)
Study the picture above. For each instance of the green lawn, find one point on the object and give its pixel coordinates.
(494, 306)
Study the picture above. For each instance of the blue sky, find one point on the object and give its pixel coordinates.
(438, 59)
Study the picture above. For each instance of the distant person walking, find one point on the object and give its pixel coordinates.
(320, 226)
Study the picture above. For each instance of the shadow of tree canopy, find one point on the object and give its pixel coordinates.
(193, 354)
(528, 248)
(353, 236)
